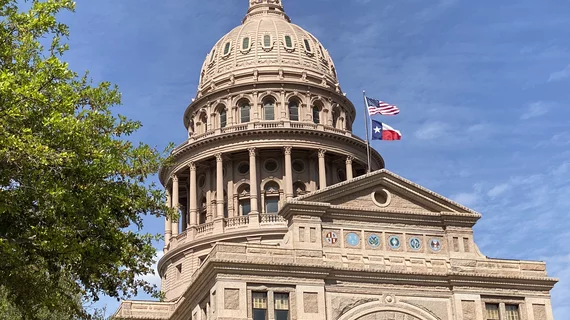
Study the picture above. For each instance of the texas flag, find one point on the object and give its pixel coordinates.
(382, 131)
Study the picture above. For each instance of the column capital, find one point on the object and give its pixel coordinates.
(174, 177)
(219, 157)
(322, 153)
(192, 166)
(349, 159)
(252, 152)
(287, 150)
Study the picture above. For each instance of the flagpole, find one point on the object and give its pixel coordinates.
(366, 116)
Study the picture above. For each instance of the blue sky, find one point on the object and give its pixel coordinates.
(482, 85)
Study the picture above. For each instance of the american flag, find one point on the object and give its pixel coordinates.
(381, 107)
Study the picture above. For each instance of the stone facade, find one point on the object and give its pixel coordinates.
(278, 214)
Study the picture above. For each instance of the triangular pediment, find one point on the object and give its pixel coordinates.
(384, 190)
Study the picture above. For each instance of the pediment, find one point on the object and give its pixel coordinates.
(387, 191)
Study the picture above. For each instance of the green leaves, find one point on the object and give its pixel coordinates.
(70, 182)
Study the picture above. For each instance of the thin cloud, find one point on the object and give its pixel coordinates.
(560, 75)
(536, 109)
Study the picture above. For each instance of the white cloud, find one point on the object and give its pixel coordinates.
(536, 109)
(498, 190)
(466, 199)
(154, 278)
(559, 75)
(432, 130)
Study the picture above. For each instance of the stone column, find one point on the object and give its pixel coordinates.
(219, 186)
(175, 204)
(192, 195)
(288, 174)
(322, 170)
(208, 187)
(349, 175)
(167, 222)
(253, 180)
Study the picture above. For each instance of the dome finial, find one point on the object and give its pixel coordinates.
(274, 7)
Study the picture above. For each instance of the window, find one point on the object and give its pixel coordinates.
(244, 112)
(321, 50)
(271, 165)
(227, 48)
(245, 43)
(271, 197)
(178, 271)
(298, 166)
(245, 206)
(259, 305)
(293, 111)
(288, 42)
(223, 118)
(307, 45)
(272, 205)
(281, 306)
(203, 210)
(335, 118)
(213, 55)
(316, 115)
(268, 110)
(492, 311)
(267, 41)
(243, 168)
(512, 312)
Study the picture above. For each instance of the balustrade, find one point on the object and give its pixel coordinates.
(236, 221)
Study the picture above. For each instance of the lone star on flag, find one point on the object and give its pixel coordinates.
(377, 129)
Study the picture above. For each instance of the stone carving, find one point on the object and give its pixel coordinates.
(388, 315)
(469, 310)
(341, 305)
(311, 302)
(231, 299)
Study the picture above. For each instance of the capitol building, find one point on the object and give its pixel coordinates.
(281, 220)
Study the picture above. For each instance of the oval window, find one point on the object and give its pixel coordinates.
(213, 54)
(245, 43)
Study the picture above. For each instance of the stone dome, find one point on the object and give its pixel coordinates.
(267, 43)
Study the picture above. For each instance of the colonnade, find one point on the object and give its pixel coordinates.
(172, 227)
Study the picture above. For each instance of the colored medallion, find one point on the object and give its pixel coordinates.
(394, 242)
(352, 239)
(331, 237)
(374, 240)
(415, 244)
(435, 245)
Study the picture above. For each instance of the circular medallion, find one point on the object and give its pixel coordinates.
(331, 237)
(374, 240)
(352, 239)
(435, 245)
(394, 242)
(415, 244)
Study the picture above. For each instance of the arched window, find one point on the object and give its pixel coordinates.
(244, 200)
(213, 55)
(245, 43)
(267, 41)
(269, 109)
(293, 111)
(307, 45)
(225, 204)
(223, 117)
(299, 189)
(288, 42)
(271, 197)
(244, 112)
(316, 114)
(335, 115)
(227, 48)
(204, 122)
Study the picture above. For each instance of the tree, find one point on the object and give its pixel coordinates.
(72, 187)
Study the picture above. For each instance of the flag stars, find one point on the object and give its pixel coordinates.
(377, 129)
